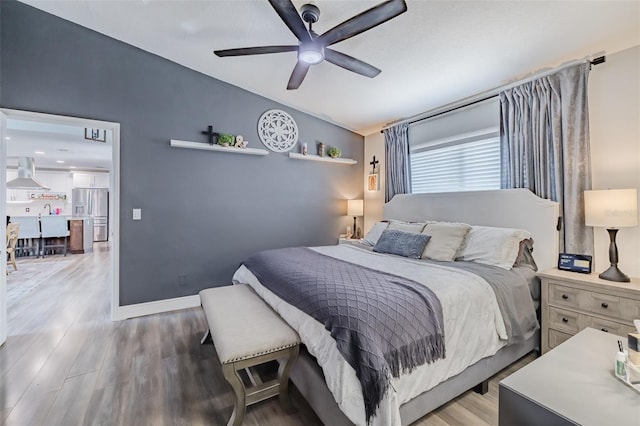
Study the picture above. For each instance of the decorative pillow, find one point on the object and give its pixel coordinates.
(407, 244)
(445, 240)
(525, 255)
(374, 234)
(413, 227)
(492, 245)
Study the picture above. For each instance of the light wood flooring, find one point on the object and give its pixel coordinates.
(66, 363)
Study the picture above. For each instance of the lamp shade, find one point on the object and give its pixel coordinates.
(355, 208)
(611, 208)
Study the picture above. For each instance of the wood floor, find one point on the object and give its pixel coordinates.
(66, 363)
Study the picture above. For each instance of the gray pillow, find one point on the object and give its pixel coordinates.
(405, 244)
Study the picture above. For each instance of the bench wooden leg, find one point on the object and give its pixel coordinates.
(235, 381)
(283, 378)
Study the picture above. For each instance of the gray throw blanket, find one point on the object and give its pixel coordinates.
(383, 324)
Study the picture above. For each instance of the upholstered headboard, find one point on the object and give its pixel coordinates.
(507, 208)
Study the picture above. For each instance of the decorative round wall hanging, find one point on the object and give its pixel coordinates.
(277, 130)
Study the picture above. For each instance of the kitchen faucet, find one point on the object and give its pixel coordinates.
(47, 205)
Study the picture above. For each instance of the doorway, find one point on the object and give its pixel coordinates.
(96, 133)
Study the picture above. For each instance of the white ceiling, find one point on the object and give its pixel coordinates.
(50, 143)
(436, 53)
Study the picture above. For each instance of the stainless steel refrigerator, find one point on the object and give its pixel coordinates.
(93, 202)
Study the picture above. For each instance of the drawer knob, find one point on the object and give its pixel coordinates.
(565, 320)
(606, 330)
(565, 297)
(604, 305)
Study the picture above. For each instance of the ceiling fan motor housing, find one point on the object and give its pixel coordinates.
(310, 13)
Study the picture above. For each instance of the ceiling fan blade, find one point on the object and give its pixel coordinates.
(363, 21)
(298, 74)
(255, 50)
(350, 63)
(289, 15)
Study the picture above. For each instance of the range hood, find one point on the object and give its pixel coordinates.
(26, 176)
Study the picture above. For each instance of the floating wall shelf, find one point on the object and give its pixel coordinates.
(311, 157)
(228, 149)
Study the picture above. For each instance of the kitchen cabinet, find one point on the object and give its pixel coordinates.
(80, 235)
(90, 180)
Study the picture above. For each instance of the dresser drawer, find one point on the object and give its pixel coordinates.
(563, 296)
(561, 319)
(557, 337)
(630, 309)
(609, 326)
(602, 304)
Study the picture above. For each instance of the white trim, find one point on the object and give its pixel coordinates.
(3, 213)
(312, 157)
(114, 192)
(156, 307)
(228, 149)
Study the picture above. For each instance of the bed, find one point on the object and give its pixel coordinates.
(476, 350)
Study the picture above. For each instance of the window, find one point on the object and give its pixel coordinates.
(457, 151)
(467, 166)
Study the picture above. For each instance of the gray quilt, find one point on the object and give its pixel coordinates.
(383, 324)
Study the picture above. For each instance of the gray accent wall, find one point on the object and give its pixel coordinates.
(202, 212)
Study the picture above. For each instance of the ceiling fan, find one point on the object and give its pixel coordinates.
(312, 48)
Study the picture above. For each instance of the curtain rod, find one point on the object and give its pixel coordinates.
(489, 94)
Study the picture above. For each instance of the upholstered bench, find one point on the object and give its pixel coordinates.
(246, 332)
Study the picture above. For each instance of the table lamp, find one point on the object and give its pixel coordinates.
(612, 209)
(355, 208)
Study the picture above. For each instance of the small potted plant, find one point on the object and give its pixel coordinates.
(226, 139)
(334, 152)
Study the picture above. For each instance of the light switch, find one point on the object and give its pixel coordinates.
(137, 214)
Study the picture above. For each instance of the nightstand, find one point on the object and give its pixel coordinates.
(572, 302)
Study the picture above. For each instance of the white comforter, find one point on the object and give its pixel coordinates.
(473, 326)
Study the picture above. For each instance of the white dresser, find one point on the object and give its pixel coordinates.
(572, 302)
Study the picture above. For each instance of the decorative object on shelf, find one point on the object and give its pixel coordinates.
(612, 209)
(47, 196)
(226, 139)
(320, 149)
(312, 157)
(240, 142)
(334, 152)
(373, 182)
(277, 130)
(97, 135)
(212, 136)
(349, 233)
(355, 208)
(215, 147)
(304, 149)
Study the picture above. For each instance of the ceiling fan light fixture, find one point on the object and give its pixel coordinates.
(311, 53)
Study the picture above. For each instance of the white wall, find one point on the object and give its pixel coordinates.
(614, 114)
(614, 105)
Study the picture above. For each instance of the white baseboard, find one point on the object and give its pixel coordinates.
(156, 307)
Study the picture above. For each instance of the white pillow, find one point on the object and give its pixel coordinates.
(374, 233)
(446, 239)
(412, 227)
(492, 245)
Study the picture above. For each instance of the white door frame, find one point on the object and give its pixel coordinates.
(3, 230)
(114, 199)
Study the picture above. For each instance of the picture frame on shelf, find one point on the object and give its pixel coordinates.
(373, 182)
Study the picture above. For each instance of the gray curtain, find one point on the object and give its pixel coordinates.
(544, 132)
(396, 155)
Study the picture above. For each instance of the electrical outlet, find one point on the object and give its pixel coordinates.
(137, 214)
(182, 280)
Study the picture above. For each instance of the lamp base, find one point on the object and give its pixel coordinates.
(614, 274)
